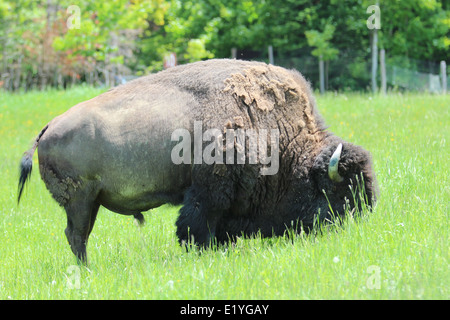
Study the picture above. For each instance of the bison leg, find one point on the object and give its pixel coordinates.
(198, 219)
(139, 218)
(81, 217)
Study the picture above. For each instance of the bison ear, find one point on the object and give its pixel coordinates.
(333, 165)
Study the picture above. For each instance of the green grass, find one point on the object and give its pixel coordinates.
(400, 251)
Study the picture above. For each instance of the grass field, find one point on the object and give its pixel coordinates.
(399, 251)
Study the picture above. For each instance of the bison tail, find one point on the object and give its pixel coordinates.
(26, 164)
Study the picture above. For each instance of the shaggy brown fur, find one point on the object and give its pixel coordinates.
(115, 150)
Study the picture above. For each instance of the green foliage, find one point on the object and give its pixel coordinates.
(196, 51)
(321, 40)
(98, 20)
(418, 29)
(37, 46)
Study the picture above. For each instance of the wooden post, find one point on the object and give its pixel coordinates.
(17, 74)
(106, 75)
(374, 59)
(444, 77)
(321, 76)
(383, 71)
(394, 73)
(233, 53)
(270, 55)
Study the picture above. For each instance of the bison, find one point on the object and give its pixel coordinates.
(117, 151)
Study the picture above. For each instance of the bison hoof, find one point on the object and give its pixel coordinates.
(139, 219)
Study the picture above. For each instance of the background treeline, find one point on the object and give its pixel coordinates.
(43, 44)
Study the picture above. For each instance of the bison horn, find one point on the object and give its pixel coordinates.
(333, 165)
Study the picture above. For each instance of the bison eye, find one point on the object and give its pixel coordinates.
(334, 164)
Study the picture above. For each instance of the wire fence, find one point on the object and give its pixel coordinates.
(348, 72)
(413, 79)
(351, 72)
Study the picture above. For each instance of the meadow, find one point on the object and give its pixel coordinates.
(399, 251)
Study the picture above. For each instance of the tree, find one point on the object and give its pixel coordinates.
(21, 23)
(323, 49)
(104, 39)
(38, 47)
(417, 29)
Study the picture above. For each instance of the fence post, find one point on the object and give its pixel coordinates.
(270, 54)
(393, 75)
(383, 71)
(444, 77)
(374, 59)
(430, 82)
(233, 53)
(321, 76)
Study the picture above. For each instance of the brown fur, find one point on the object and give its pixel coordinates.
(114, 150)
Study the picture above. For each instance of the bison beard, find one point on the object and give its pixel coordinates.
(115, 151)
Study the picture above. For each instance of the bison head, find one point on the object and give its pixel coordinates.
(342, 181)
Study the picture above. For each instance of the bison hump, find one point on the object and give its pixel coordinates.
(264, 86)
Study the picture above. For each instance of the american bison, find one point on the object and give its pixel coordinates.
(137, 147)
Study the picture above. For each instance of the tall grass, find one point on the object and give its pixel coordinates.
(399, 251)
